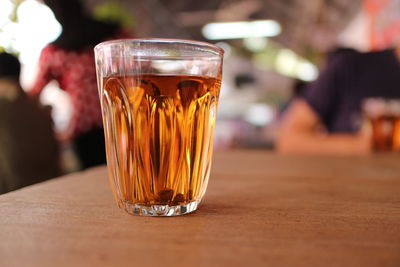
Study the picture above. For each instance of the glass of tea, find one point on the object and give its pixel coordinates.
(159, 101)
(384, 117)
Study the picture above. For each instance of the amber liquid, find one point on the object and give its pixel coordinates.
(159, 136)
(386, 133)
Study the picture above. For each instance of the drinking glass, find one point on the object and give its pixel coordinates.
(159, 101)
(384, 117)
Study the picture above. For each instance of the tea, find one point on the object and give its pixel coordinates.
(159, 131)
(386, 133)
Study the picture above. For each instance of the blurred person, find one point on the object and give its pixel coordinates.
(70, 61)
(328, 118)
(28, 149)
(298, 89)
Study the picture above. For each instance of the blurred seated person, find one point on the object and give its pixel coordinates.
(298, 89)
(28, 149)
(69, 60)
(327, 119)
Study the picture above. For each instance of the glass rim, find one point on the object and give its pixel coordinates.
(212, 48)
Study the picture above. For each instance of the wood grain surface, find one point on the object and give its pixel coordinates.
(261, 209)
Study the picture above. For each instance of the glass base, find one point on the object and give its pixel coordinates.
(160, 210)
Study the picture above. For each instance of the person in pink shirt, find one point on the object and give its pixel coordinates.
(69, 60)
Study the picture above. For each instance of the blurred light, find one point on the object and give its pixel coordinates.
(259, 114)
(167, 65)
(7, 35)
(5, 10)
(241, 29)
(286, 62)
(306, 71)
(36, 27)
(7, 26)
(255, 44)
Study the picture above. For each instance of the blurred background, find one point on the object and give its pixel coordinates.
(272, 48)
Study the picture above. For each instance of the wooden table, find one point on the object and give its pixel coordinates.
(260, 209)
